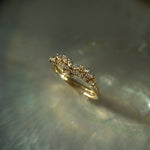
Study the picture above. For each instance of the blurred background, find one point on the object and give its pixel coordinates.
(39, 111)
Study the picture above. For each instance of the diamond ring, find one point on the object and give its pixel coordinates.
(75, 75)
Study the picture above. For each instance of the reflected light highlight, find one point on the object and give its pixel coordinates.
(64, 77)
(86, 94)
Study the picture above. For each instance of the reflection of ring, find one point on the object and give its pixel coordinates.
(77, 76)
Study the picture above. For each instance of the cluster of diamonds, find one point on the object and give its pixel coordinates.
(73, 70)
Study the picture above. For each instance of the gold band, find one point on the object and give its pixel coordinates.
(76, 76)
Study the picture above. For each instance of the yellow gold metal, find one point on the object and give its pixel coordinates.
(76, 76)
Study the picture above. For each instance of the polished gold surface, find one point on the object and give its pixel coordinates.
(76, 76)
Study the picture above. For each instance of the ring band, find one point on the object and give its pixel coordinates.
(76, 76)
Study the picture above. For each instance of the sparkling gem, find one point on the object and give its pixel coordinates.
(81, 67)
(69, 62)
(76, 67)
(90, 76)
(52, 59)
(86, 70)
(58, 56)
(59, 59)
(64, 58)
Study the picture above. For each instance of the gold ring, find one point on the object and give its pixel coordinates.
(75, 75)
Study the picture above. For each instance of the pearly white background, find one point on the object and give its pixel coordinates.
(39, 111)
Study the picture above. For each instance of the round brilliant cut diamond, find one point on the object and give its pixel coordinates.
(69, 63)
(90, 76)
(76, 67)
(52, 59)
(86, 70)
(64, 58)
